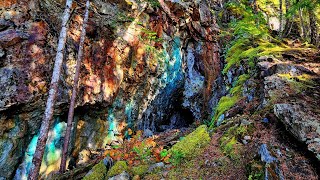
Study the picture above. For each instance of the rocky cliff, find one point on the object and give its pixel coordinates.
(146, 66)
(142, 69)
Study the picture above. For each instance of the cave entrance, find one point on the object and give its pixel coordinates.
(179, 118)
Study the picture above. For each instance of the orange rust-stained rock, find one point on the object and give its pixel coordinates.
(211, 61)
(7, 3)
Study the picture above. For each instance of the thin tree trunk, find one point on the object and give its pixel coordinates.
(281, 19)
(48, 114)
(313, 27)
(74, 91)
(303, 28)
(287, 27)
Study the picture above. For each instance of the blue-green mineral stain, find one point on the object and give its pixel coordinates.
(128, 112)
(173, 71)
(52, 151)
(112, 127)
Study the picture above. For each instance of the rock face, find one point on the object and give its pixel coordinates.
(302, 123)
(146, 66)
(294, 90)
(141, 68)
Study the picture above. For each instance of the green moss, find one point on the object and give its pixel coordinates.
(118, 168)
(225, 103)
(247, 50)
(176, 157)
(140, 170)
(190, 146)
(299, 83)
(228, 142)
(236, 90)
(99, 171)
(228, 147)
(304, 79)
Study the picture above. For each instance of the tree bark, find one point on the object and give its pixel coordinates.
(74, 91)
(287, 26)
(48, 114)
(303, 28)
(281, 19)
(313, 27)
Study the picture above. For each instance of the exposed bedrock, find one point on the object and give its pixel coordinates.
(141, 69)
(144, 67)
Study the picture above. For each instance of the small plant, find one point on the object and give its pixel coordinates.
(120, 18)
(176, 157)
(164, 153)
(143, 152)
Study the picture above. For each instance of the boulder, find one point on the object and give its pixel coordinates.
(302, 123)
(98, 171)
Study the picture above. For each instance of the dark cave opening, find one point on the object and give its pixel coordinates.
(179, 118)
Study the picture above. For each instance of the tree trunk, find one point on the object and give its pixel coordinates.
(303, 28)
(281, 19)
(313, 27)
(74, 91)
(287, 26)
(48, 114)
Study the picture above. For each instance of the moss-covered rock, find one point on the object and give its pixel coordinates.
(98, 171)
(225, 103)
(140, 170)
(228, 142)
(191, 144)
(118, 168)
